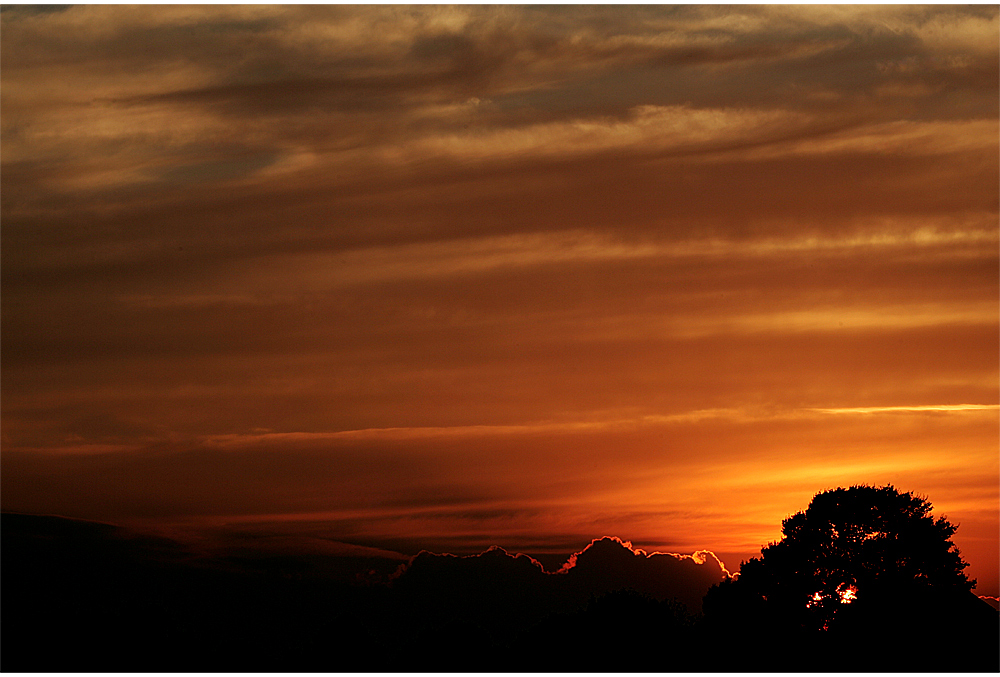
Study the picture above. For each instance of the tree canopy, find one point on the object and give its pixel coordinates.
(850, 546)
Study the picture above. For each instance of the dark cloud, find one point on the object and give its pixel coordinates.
(170, 479)
(518, 591)
(643, 194)
(609, 564)
(129, 40)
(347, 93)
(222, 165)
(19, 11)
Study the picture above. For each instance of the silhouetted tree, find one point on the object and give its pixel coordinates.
(849, 545)
(860, 567)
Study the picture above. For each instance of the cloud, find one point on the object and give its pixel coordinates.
(500, 581)
(609, 564)
(920, 407)
(411, 267)
(310, 83)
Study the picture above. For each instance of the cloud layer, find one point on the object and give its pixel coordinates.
(443, 277)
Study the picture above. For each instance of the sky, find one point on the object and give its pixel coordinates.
(449, 277)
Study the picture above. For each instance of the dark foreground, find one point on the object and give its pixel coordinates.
(82, 597)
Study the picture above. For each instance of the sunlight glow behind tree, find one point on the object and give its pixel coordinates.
(851, 545)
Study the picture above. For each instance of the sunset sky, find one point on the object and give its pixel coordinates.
(450, 277)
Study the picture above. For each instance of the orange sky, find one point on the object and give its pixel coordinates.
(450, 277)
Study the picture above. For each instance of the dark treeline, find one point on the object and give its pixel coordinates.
(80, 596)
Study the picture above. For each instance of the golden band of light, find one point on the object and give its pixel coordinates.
(921, 407)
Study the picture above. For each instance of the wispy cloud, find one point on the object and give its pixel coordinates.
(920, 407)
(405, 268)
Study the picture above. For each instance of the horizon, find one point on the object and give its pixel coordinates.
(452, 277)
(255, 605)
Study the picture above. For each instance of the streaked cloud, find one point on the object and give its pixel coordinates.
(923, 407)
(515, 276)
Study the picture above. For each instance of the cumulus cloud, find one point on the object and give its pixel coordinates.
(605, 565)
(609, 564)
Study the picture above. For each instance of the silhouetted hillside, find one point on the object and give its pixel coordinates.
(111, 601)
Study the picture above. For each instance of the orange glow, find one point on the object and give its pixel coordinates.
(847, 594)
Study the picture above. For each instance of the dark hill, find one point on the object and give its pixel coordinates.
(84, 596)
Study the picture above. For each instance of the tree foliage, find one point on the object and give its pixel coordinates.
(849, 547)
